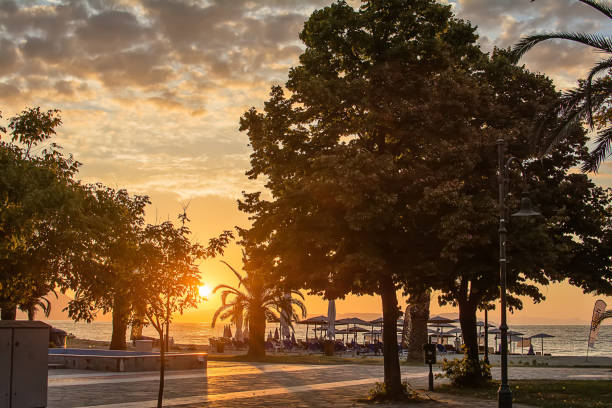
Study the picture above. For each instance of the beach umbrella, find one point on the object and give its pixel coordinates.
(514, 334)
(352, 320)
(276, 336)
(376, 322)
(313, 320)
(456, 331)
(541, 336)
(355, 329)
(440, 325)
(440, 319)
(331, 319)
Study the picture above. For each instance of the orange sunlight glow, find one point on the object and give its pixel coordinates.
(204, 291)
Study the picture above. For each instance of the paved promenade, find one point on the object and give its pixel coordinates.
(259, 385)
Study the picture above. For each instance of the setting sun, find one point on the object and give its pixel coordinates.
(204, 291)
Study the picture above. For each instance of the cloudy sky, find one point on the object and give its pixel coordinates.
(151, 90)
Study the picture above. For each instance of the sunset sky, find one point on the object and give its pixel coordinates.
(151, 93)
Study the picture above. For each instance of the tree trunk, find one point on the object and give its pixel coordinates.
(467, 319)
(257, 333)
(393, 377)
(120, 323)
(162, 368)
(138, 322)
(9, 311)
(418, 309)
(31, 313)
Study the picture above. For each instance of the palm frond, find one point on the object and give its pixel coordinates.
(224, 296)
(220, 310)
(240, 278)
(301, 306)
(597, 41)
(572, 109)
(602, 149)
(602, 65)
(598, 5)
(569, 124)
(226, 287)
(298, 293)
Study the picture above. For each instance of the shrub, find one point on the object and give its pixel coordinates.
(464, 372)
(379, 394)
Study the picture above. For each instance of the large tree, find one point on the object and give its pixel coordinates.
(108, 252)
(379, 95)
(571, 240)
(39, 198)
(167, 280)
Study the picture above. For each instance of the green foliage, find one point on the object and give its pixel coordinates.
(39, 199)
(588, 103)
(167, 281)
(380, 394)
(545, 393)
(380, 156)
(106, 252)
(257, 299)
(32, 126)
(465, 373)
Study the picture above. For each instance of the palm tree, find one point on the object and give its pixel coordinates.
(258, 300)
(37, 301)
(590, 101)
(417, 314)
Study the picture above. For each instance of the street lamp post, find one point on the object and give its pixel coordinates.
(486, 335)
(504, 395)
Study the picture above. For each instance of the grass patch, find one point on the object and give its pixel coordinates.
(546, 393)
(379, 394)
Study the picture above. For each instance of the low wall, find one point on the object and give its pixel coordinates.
(124, 361)
(552, 361)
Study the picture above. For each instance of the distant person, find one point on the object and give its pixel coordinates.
(530, 352)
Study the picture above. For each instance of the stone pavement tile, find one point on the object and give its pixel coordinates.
(347, 398)
(227, 379)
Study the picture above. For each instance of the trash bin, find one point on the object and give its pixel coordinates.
(57, 338)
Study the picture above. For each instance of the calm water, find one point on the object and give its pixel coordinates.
(568, 340)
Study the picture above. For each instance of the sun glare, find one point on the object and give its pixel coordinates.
(204, 291)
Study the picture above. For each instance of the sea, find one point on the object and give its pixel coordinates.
(567, 340)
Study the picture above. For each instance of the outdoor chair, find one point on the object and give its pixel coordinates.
(441, 349)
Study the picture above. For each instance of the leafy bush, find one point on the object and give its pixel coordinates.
(465, 372)
(380, 394)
